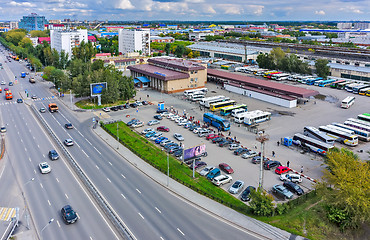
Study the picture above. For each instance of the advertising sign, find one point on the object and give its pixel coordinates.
(194, 152)
(97, 88)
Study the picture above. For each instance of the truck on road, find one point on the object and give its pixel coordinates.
(23, 75)
(32, 80)
(8, 95)
(53, 107)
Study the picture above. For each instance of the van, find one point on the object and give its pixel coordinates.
(213, 173)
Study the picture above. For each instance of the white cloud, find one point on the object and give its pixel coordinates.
(194, 1)
(208, 9)
(124, 4)
(22, 4)
(321, 12)
(230, 8)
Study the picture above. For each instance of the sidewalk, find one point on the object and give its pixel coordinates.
(228, 215)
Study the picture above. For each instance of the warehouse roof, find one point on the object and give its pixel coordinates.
(158, 72)
(176, 63)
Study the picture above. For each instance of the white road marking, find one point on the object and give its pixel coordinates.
(21, 140)
(18, 134)
(78, 216)
(109, 180)
(138, 190)
(66, 195)
(26, 123)
(123, 176)
(88, 141)
(34, 138)
(97, 150)
(110, 163)
(25, 149)
(58, 223)
(123, 196)
(34, 171)
(161, 238)
(29, 159)
(85, 153)
(91, 238)
(69, 136)
(97, 166)
(78, 145)
(80, 133)
(180, 231)
(158, 210)
(41, 185)
(29, 130)
(43, 155)
(57, 179)
(38, 146)
(49, 202)
(141, 215)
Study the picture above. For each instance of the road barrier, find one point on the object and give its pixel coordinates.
(111, 214)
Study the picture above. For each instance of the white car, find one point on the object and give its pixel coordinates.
(68, 142)
(157, 135)
(3, 83)
(165, 142)
(249, 154)
(196, 130)
(206, 170)
(44, 167)
(164, 114)
(183, 122)
(137, 124)
(106, 109)
(3, 129)
(170, 115)
(234, 146)
(236, 187)
(203, 132)
(178, 137)
(153, 122)
(295, 178)
(145, 131)
(222, 179)
(179, 119)
(174, 117)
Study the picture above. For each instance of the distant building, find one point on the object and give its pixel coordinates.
(13, 25)
(40, 40)
(134, 40)
(162, 39)
(362, 25)
(55, 26)
(344, 25)
(55, 22)
(33, 22)
(197, 35)
(67, 40)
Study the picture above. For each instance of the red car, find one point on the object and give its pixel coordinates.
(212, 136)
(163, 129)
(226, 168)
(6, 89)
(282, 169)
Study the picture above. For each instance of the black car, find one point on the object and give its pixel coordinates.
(246, 194)
(271, 164)
(224, 143)
(121, 107)
(127, 106)
(178, 153)
(293, 187)
(132, 121)
(257, 159)
(240, 151)
(217, 140)
(133, 105)
(114, 108)
(68, 214)
(174, 149)
(68, 125)
(145, 102)
(19, 100)
(161, 110)
(53, 155)
(158, 117)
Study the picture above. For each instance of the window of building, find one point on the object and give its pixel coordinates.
(191, 79)
(196, 79)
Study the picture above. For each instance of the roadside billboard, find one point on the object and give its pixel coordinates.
(194, 152)
(97, 88)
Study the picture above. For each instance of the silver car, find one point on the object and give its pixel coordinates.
(178, 137)
(236, 187)
(206, 170)
(153, 122)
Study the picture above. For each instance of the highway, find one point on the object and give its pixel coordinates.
(148, 210)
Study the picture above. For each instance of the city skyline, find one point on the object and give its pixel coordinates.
(190, 10)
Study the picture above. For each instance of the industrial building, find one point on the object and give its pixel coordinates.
(134, 40)
(67, 39)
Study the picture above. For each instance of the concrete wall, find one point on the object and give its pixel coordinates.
(263, 97)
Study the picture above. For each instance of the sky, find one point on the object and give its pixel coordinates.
(190, 10)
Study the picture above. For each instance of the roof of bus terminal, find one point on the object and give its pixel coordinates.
(261, 84)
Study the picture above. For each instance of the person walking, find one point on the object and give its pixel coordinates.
(287, 164)
(229, 133)
(301, 169)
(278, 143)
(273, 153)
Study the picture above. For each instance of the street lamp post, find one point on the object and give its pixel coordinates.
(50, 221)
(117, 137)
(168, 169)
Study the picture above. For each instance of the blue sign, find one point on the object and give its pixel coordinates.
(98, 88)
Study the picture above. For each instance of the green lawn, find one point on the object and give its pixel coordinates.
(89, 104)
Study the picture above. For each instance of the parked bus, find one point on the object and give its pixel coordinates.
(313, 144)
(335, 84)
(364, 116)
(315, 133)
(340, 135)
(343, 85)
(349, 87)
(196, 96)
(280, 76)
(208, 103)
(216, 121)
(202, 102)
(187, 92)
(326, 82)
(355, 120)
(362, 131)
(311, 81)
(256, 116)
(217, 106)
(357, 89)
(239, 118)
(347, 102)
(239, 108)
(363, 91)
(368, 93)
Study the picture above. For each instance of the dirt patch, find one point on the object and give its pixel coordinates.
(278, 113)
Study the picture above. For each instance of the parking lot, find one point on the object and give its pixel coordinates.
(284, 122)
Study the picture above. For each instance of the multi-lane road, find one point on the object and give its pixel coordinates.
(147, 209)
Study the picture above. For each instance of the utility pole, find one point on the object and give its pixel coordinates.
(168, 169)
(261, 137)
(117, 137)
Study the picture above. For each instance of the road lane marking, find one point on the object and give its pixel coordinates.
(34, 138)
(69, 136)
(43, 155)
(78, 216)
(141, 216)
(110, 163)
(138, 190)
(29, 159)
(18, 134)
(123, 176)
(123, 196)
(91, 238)
(85, 153)
(88, 141)
(39, 147)
(21, 140)
(77, 145)
(41, 185)
(49, 202)
(26, 123)
(97, 150)
(161, 238)
(180, 231)
(80, 133)
(97, 166)
(34, 171)
(57, 179)
(158, 210)
(25, 149)
(58, 223)
(66, 195)
(109, 180)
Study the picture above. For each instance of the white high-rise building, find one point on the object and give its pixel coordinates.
(67, 39)
(344, 25)
(134, 40)
(362, 25)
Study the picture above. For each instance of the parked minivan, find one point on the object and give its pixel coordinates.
(213, 173)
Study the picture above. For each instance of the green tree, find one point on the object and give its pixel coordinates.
(167, 48)
(261, 203)
(322, 68)
(196, 54)
(190, 55)
(38, 33)
(15, 37)
(84, 52)
(180, 50)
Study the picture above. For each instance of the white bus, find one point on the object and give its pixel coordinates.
(256, 116)
(187, 92)
(280, 76)
(196, 96)
(315, 133)
(340, 135)
(313, 144)
(362, 132)
(202, 102)
(349, 87)
(347, 102)
(239, 118)
(208, 103)
(362, 122)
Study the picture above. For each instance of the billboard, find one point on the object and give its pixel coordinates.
(194, 152)
(97, 88)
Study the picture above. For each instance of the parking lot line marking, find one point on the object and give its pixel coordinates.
(85, 153)
(57, 179)
(58, 223)
(41, 185)
(123, 176)
(110, 163)
(49, 202)
(180, 231)
(97, 167)
(43, 155)
(97, 150)
(138, 190)
(109, 180)
(141, 215)
(66, 195)
(158, 210)
(123, 196)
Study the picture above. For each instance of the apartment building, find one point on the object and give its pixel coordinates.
(67, 39)
(134, 40)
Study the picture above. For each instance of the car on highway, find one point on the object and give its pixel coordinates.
(137, 124)
(153, 122)
(68, 142)
(68, 125)
(158, 117)
(226, 168)
(6, 89)
(42, 110)
(178, 137)
(68, 214)
(145, 131)
(211, 136)
(53, 155)
(106, 109)
(293, 188)
(206, 170)
(271, 164)
(236, 187)
(160, 139)
(213, 173)
(221, 180)
(3, 129)
(281, 191)
(19, 100)
(44, 168)
(296, 178)
(240, 151)
(249, 154)
(3, 83)
(34, 97)
(282, 169)
(10, 83)
(163, 129)
(246, 194)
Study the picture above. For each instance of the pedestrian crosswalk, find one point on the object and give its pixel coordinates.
(7, 102)
(6, 214)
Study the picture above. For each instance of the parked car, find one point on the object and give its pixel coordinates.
(164, 142)
(203, 132)
(68, 142)
(246, 194)
(198, 165)
(114, 108)
(271, 164)
(145, 131)
(221, 179)
(281, 191)
(44, 167)
(218, 139)
(257, 159)
(282, 169)
(155, 136)
(121, 107)
(138, 103)
(178, 153)
(163, 129)
(183, 122)
(197, 129)
(68, 214)
(236, 187)
(132, 121)
(145, 102)
(226, 168)
(150, 134)
(160, 139)
(133, 105)
(187, 125)
(179, 119)
(296, 178)
(106, 109)
(234, 146)
(250, 154)
(158, 117)
(170, 115)
(162, 110)
(178, 137)
(206, 170)
(293, 187)
(137, 124)
(175, 149)
(153, 122)
(213, 173)
(224, 143)
(211, 136)
(239, 151)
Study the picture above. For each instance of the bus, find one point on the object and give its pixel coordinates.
(187, 92)
(363, 91)
(8, 95)
(217, 106)
(239, 108)
(363, 133)
(349, 87)
(343, 85)
(358, 121)
(257, 116)
(313, 144)
(280, 76)
(208, 103)
(311, 81)
(196, 96)
(364, 116)
(340, 135)
(357, 89)
(324, 83)
(357, 125)
(368, 93)
(315, 133)
(202, 102)
(335, 84)
(216, 121)
(347, 102)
